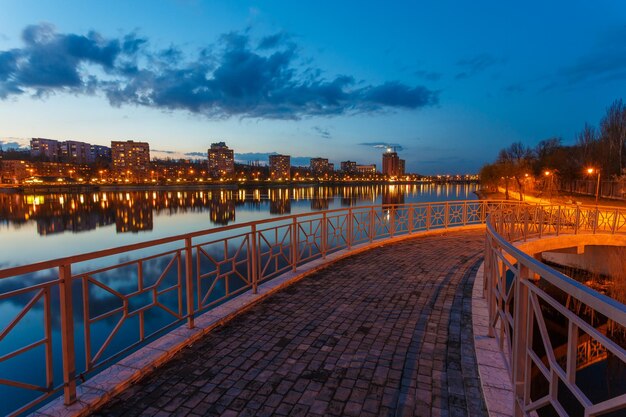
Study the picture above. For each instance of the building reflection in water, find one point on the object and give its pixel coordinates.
(134, 211)
(279, 201)
(393, 195)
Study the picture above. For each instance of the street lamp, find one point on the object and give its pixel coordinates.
(590, 171)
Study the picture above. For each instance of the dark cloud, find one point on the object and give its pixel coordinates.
(475, 65)
(322, 132)
(395, 94)
(274, 41)
(200, 154)
(383, 145)
(220, 81)
(162, 151)
(429, 75)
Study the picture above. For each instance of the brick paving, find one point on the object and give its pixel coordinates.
(384, 333)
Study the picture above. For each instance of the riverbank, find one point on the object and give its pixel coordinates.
(562, 198)
(85, 188)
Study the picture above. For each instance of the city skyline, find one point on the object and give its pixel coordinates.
(421, 77)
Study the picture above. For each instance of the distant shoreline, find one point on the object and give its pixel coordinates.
(84, 188)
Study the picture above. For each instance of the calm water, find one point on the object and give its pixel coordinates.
(40, 227)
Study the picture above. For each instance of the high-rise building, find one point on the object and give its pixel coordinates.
(280, 167)
(391, 163)
(49, 149)
(131, 160)
(319, 166)
(221, 160)
(348, 167)
(99, 152)
(75, 152)
(401, 167)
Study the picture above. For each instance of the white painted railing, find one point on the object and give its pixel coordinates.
(551, 327)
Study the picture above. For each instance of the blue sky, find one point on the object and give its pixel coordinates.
(448, 82)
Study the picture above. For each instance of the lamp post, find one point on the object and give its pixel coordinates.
(591, 171)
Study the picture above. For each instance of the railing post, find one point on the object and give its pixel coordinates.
(446, 215)
(349, 228)
(428, 213)
(324, 242)
(483, 212)
(464, 213)
(595, 223)
(410, 225)
(372, 227)
(572, 351)
(67, 334)
(254, 260)
(525, 223)
(392, 220)
(577, 220)
(520, 339)
(294, 244)
(492, 282)
(189, 281)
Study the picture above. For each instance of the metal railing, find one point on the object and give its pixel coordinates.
(550, 326)
(94, 308)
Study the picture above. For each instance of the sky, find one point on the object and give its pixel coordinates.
(447, 83)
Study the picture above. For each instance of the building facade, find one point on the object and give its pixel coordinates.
(221, 160)
(280, 167)
(365, 169)
(131, 160)
(14, 172)
(319, 166)
(391, 163)
(98, 152)
(75, 152)
(49, 149)
(348, 167)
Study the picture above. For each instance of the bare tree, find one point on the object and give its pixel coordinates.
(516, 161)
(613, 138)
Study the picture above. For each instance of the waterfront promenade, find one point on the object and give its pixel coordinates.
(384, 332)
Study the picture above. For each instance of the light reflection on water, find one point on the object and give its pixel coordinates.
(40, 227)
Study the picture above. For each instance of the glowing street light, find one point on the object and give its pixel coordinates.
(591, 171)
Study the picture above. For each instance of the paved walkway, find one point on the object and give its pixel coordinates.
(386, 332)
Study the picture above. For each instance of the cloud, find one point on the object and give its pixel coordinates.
(162, 151)
(14, 143)
(429, 75)
(322, 132)
(200, 154)
(6, 145)
(475, 65)
(228, 79)
(273, 41)
(383, 145)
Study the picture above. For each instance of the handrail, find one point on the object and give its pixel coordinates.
(519, 307)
